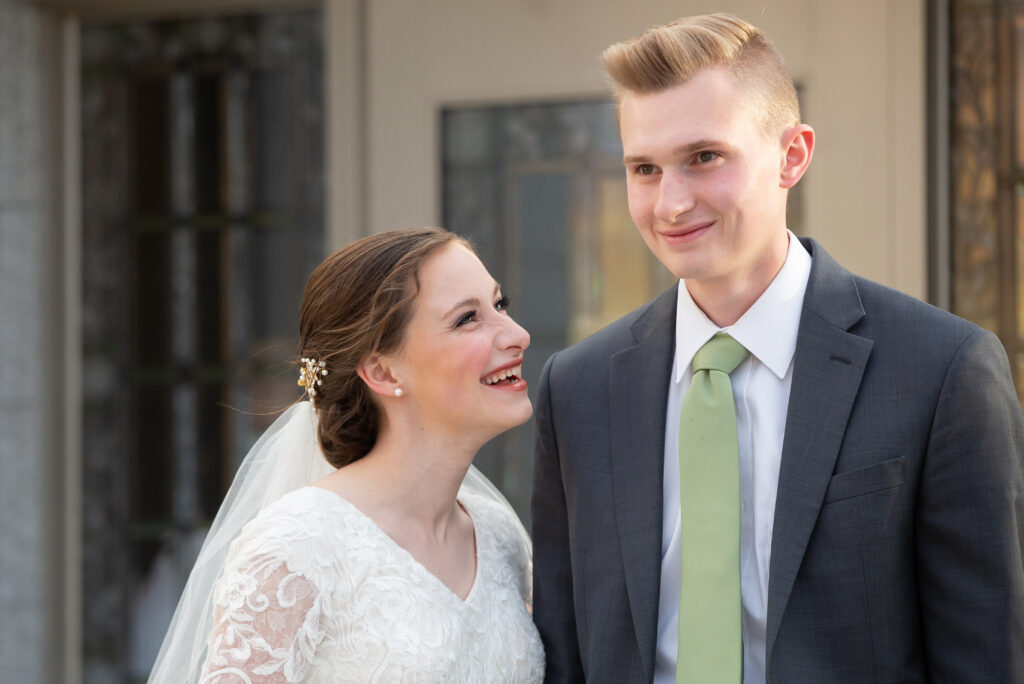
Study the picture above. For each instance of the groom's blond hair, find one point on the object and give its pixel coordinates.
(671, 54)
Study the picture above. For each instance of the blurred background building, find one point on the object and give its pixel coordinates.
(171, 170)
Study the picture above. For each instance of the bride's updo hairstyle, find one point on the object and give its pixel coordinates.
(357, 302)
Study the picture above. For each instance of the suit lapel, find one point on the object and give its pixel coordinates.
(638, 386)
(827, 369)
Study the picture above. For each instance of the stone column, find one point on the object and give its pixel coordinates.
(31, 388)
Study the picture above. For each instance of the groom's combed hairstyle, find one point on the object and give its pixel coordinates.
(671, 54)
(357, 302)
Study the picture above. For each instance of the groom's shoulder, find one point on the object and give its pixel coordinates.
(622, 333)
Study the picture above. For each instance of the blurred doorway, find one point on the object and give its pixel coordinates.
(985, 81)
(203, 213)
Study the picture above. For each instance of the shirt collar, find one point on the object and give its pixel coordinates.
(769, 327)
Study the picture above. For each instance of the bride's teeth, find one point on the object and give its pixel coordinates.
(510, 373)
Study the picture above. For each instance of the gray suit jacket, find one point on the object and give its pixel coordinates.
(898, 544)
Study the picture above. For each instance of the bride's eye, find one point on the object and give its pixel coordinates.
(502, 304)
(465, 318)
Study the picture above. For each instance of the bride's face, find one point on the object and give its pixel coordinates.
(460, 364)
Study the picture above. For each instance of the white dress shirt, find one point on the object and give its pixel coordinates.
(760, 386)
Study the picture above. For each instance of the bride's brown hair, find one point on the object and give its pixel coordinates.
(357, 302)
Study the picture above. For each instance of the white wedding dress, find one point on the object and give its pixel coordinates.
(313, 591)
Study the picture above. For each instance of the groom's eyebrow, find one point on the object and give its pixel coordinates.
(471, 301)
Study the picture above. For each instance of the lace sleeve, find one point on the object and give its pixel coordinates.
(267, 624)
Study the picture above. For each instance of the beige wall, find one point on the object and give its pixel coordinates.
(861, 66)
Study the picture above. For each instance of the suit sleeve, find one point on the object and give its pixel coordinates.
(970, 522)
(553, 605)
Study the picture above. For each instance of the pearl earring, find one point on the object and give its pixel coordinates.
(398, 392)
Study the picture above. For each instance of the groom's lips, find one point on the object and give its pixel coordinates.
(687, 233)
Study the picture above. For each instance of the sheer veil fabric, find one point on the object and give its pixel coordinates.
(285, 458)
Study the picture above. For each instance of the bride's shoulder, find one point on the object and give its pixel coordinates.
(307, 510)
(302, 524)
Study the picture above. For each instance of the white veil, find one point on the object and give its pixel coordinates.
(285, 458)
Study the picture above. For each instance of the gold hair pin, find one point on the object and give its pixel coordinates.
(310, 374)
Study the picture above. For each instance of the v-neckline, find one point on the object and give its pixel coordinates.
(402, 551)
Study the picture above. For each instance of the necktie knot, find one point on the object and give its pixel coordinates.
(721, 353)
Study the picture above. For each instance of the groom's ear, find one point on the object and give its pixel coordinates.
(797, 148)
(376, 371)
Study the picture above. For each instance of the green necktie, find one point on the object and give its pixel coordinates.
(710, 641)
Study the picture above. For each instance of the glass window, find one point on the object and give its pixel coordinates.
(540, 190)
(202, 216)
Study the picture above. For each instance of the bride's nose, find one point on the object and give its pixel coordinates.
(513, 335)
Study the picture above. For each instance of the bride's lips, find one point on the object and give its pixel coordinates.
(512, 380)
(677, 236)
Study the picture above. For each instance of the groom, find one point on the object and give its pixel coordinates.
(852, 511)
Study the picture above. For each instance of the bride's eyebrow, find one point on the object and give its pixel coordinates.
(471, 301)
(464, 303)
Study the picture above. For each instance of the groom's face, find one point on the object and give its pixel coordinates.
(703, 181)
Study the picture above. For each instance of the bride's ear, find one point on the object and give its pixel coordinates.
(376, 371)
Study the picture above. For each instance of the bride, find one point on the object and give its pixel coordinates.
(353, 546)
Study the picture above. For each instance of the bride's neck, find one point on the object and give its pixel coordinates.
(412, 479)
